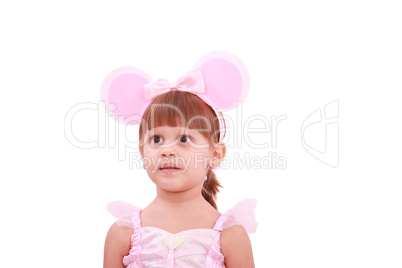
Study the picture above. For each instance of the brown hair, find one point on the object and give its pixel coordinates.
(180, 108)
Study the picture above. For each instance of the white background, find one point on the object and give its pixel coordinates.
(301, 55)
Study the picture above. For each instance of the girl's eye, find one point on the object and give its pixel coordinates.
(156, 139)
(185, 139)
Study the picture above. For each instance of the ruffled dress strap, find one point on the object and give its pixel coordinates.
(221, 221)
(126, 214)
(240, 214)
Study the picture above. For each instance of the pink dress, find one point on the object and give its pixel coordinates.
(154, 247)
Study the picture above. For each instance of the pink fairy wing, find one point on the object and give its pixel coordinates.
(123, 212)
(123, 94)
(243, 213)
(226, 80)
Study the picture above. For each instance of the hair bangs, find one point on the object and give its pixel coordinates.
(181, 109)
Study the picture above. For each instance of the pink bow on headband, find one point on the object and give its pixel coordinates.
(219, 78)
(190, 82)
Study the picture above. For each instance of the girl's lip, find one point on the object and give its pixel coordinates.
(169, 170)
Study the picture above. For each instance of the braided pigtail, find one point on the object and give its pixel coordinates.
(210, 188)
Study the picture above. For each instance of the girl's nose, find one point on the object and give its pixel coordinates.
(170, 154)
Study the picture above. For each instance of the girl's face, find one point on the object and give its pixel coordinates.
(176, 158)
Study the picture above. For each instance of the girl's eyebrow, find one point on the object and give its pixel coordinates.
(192, 134)
(186, 132)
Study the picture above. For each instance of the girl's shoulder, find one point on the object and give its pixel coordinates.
(117, 244)
(234, 240)
(236, 247)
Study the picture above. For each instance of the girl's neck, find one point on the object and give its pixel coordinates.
(186, 198)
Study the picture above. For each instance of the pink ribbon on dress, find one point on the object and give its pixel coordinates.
(190, 82)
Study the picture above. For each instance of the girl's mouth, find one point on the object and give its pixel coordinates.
(169, 170)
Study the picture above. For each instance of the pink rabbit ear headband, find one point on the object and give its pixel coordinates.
(219, 78)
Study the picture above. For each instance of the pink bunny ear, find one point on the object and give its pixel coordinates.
(122, 91)
(226, 80)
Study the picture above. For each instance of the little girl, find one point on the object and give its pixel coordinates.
(180, 134)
